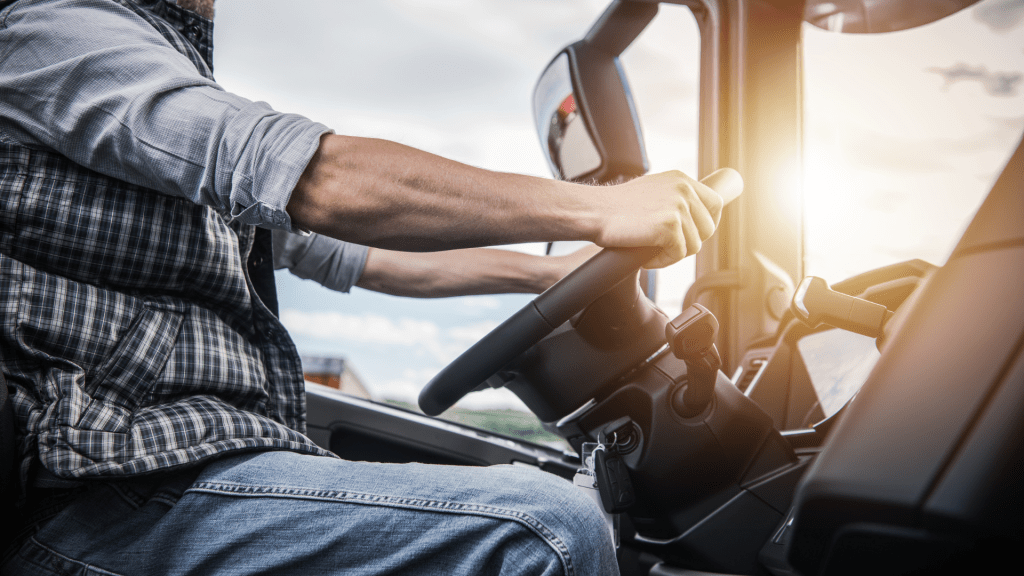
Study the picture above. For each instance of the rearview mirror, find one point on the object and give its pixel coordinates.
(582, 105)
(568, 146)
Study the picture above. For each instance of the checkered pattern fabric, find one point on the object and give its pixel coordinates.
(133, 339)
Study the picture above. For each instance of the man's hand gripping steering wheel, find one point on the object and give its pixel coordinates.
(672, 229)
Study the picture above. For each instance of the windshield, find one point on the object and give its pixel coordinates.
(455, 79)
(905, 133)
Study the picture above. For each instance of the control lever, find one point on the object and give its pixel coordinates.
(816, 303)
(691, 336)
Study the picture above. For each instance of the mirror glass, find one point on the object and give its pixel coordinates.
(567, 144)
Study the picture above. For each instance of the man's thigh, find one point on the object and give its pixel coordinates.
(282, 513)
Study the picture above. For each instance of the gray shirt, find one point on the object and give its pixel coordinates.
(332, 263)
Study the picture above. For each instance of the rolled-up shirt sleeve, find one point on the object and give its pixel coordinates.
(93, 81)
(332, 263)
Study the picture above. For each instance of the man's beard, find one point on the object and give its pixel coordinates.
(202, 7)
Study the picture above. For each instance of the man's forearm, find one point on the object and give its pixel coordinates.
(386, 195)
(383, 194)
(464, 272)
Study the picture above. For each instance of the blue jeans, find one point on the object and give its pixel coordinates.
(284, 513)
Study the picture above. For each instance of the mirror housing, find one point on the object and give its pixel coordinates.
(582, 106)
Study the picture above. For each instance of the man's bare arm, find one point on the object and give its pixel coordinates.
(387, 195)
(465, 272)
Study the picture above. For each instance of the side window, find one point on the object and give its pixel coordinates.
(454, 79)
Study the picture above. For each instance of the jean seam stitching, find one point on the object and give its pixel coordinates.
(85, 565)
(530, 522)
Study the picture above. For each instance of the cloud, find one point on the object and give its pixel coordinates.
(893, 153)
(1000, 15)
(1013, 124)
(445, 59)
(443, 344)
(365, 328)
(482, 303)
(995, 83)
(407, 387)
(472, 332)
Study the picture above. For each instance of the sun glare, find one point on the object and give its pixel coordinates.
(904, 135)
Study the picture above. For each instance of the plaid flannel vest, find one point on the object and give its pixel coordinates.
(132, 335)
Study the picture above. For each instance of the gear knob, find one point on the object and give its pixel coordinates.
(691, 335)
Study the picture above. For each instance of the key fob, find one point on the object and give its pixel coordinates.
(613, 482)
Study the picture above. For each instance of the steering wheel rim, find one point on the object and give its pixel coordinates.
(548, 311)
(530, 325)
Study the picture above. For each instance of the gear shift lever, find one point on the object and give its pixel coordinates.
(691, 335)
(815, 303)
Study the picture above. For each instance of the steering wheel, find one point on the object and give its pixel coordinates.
(548, 311)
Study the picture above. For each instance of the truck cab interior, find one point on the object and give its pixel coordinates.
(737, 463)
(729, 458)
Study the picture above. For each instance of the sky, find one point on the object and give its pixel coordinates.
(904, 134)
(454, 78)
